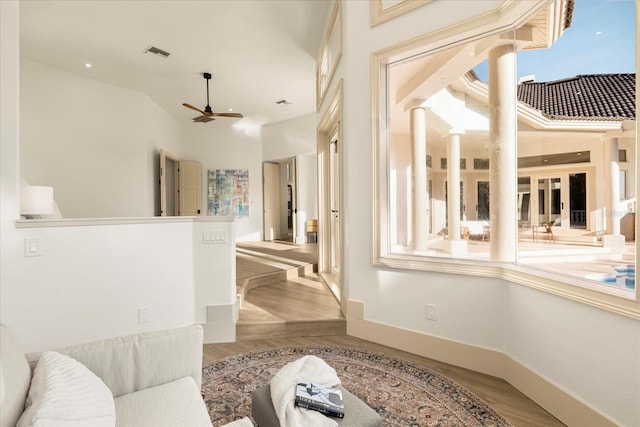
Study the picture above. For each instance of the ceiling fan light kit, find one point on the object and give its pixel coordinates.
(207, 113)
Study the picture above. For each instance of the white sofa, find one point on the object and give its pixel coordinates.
(148, 379)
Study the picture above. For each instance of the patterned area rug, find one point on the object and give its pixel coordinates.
(404, 394)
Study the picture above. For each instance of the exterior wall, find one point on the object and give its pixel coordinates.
(530, 143)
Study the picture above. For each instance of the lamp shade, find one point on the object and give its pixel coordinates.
(36, 200)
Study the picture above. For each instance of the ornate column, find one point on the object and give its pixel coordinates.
(502, 152)
(419, 190)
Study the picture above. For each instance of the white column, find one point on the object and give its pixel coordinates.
(419, 196)
(454, 244)
(613, 240)
(453, 187)
(612, 169)
(502, 152)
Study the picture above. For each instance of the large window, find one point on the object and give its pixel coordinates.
(545, 195)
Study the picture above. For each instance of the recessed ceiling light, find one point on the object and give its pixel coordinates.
(230, 109)
(87, 65)
(598, 33)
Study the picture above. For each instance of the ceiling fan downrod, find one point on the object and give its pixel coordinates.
(207, 109)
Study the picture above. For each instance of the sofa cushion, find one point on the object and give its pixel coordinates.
(65, 393)
(135, 362)
(177, 403)
(15, 376)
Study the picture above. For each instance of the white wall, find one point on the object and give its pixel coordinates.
(290, 137)
(229, 144)
(297, 138)
(91, 279)
(589, 352)
(97, 144)
(484, 312)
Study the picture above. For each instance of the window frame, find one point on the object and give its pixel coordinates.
(617, 300)
(324, 65)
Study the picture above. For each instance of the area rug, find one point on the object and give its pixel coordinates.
(403, 393)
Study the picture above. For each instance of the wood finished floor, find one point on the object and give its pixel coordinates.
(307, 306)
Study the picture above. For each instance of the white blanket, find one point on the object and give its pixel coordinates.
(283, 391)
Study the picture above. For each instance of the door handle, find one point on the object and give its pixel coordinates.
(334, 211)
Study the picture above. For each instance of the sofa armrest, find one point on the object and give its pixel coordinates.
(136, 362)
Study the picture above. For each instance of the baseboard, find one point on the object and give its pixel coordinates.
(553, 399)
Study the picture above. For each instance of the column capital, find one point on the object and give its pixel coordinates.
(456, 131)
(612, 134)
(416, 104)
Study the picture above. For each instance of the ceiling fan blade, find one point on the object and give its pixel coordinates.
(193, 108)
(237, 115)
(202, 119)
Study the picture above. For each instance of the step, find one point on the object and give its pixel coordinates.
(303, 328)
(273, 277)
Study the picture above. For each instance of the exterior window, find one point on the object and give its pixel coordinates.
(443, 163)
(622, 155)
(481, 164)
(540, 194)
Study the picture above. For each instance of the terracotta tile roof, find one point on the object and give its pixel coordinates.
(585, 97)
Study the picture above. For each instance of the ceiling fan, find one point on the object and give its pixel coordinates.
(208, 114)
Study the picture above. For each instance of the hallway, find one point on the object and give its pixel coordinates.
(282, 295)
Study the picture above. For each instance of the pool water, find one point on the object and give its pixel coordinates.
(625, 276)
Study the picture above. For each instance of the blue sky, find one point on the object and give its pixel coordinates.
(601, 39)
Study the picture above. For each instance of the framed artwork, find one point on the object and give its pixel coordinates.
(228, 192)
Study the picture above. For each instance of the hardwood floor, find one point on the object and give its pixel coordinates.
(293, 310)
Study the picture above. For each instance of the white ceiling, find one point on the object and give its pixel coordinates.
(258, 51)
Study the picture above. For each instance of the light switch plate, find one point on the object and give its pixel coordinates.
(32, 246)
(210, 237)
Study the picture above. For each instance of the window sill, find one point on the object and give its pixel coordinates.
(612, 298)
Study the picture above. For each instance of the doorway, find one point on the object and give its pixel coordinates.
(550, 202)
(330, 225)
(578, 200)
(483, 201)
(180, 186)
(279, 189)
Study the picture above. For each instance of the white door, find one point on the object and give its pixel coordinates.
(293, 179)
(271, 197)
(168, 188)
(189, 187)
(334, 202)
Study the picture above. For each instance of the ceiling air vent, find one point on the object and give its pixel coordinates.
(160, 52)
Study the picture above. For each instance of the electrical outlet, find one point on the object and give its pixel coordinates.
(143, 315)
(432, 312)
